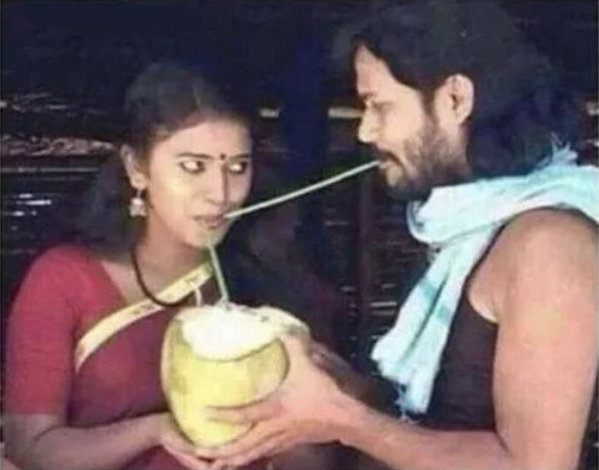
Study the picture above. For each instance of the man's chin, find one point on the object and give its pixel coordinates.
(405, 192)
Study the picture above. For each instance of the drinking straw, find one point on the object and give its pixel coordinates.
(198, 296)
(302, 191)
(219, 275)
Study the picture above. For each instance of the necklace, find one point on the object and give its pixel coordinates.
(144, 288)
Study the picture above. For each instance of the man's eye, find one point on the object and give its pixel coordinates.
(192, 166)
(379, 106)
(238, 168)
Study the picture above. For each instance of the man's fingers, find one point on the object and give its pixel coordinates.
(186, 459)
(329, 363)
(254, 438)
(266, 448)
(219, 465)
(323, 355)
(259, 411)
(297, 347)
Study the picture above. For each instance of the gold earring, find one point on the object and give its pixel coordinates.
(137, 205)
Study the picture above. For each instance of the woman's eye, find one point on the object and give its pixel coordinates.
(192, 166)
(238, 168)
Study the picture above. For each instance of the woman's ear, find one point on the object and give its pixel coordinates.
(134, 168)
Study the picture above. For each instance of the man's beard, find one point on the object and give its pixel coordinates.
(435, 161)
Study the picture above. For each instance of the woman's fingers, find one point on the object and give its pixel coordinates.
(175, 441)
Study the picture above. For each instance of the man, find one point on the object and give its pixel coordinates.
(494, 354)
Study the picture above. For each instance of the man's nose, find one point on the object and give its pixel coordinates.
(217, 191)
(367, 129)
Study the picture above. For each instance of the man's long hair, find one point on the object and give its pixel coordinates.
(521, 110)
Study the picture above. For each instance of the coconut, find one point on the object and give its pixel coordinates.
(219, 356)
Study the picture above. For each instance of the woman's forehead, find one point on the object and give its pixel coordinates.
(210, 137)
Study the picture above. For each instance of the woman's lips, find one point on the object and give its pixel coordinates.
(212, 222)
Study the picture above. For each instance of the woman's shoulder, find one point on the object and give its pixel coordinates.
(65, 261)
(65, 274)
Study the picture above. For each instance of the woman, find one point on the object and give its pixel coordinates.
(85, 330)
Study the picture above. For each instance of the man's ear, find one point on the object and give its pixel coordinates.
(134, 168)
(460, 93)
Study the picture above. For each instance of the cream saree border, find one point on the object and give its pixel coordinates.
(121, 319)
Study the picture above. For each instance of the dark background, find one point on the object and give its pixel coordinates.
(83, 53)
(65, 66)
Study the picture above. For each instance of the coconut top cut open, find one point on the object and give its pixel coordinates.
(230, 331)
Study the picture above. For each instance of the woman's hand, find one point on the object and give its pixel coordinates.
(301, 411)
(179, 447)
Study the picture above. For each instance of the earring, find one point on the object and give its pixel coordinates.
(137, 205)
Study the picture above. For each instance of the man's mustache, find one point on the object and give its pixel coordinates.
(382, 155)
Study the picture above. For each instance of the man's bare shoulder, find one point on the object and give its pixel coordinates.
(545, 253)
(544, 232)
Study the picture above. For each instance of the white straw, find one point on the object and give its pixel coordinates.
(219, 275)
(198, 296)
(303, 191)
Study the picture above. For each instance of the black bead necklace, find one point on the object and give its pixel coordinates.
(144, 288)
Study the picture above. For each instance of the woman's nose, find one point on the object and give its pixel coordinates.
(217, 191)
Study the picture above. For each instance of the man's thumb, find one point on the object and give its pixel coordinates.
(296, 345)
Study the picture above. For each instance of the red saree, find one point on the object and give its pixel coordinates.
(66, 293)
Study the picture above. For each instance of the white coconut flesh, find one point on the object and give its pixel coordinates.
(227, 332)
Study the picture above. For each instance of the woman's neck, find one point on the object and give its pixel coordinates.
(168, 259)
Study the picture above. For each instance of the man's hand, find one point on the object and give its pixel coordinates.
(301, 411)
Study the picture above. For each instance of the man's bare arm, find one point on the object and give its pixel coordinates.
(545, 366)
